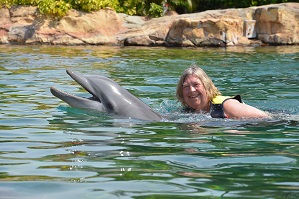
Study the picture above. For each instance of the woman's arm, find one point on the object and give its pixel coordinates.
(234, 109)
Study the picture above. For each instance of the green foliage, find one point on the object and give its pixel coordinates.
(4, 4)
(9, 3)
(183, 6)
(137, 7)
(155, 10)
(56, 8)
(27, 2)
(127, 6)
(92, 5)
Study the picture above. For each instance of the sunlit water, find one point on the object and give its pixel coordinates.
(49, 150)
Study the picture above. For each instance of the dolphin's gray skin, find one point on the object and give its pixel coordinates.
(107, 96)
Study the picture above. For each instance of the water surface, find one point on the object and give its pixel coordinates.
(50, 150)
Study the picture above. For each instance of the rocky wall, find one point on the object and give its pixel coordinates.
(276, 24)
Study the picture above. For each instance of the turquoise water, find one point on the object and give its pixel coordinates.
(50, 150)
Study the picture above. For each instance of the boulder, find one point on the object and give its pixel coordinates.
(151, 33)
(99, 27)
(206, 32)
(278, 24)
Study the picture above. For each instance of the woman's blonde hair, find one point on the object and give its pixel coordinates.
(212, 90)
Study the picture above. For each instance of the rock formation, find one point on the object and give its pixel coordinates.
(276, 24)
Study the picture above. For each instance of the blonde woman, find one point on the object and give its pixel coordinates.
(197, 93)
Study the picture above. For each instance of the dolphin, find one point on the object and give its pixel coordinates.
(107, 96)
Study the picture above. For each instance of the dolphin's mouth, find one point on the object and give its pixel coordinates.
(62, 95)
(82, 81)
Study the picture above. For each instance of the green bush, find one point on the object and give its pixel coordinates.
(92, 5)
(9, 3)
(134, 7)
(155, 10)
(56, 8)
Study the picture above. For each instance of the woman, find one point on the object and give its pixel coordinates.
(197, 93)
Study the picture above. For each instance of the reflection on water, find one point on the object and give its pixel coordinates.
(49, 150)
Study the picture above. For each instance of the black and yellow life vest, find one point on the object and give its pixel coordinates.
(216, 108)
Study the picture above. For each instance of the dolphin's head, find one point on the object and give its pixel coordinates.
(107, 96)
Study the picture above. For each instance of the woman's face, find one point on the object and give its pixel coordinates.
(194, 93)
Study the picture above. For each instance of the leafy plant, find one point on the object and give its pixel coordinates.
(56, 8)
(183, 6)
(155, 10)
(92, 5)
(9, 3)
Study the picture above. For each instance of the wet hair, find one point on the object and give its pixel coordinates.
(211, 89)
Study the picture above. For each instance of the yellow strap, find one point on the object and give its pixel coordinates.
(219, 99)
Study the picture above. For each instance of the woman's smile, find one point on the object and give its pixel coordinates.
(194, 93)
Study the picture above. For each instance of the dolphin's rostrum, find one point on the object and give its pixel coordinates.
(107, 96)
